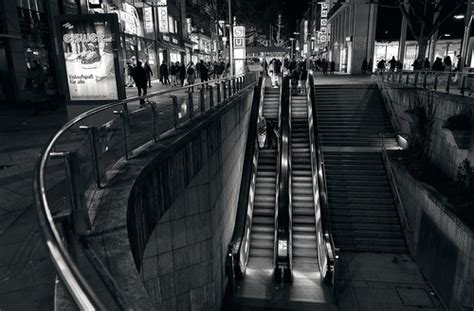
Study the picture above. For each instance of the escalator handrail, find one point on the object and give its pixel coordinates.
(330, 249)
(282, 227)
(238, 250)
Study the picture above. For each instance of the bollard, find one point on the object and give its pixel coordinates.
(96, 161)
(124, 118)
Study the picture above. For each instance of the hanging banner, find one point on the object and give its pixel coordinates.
(89, 48)
(163, 24)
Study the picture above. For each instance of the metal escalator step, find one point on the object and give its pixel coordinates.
(309, 211)
(305, 252)
(257, 252)
(306, 219)
(263, 220)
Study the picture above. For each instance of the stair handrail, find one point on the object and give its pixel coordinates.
(282, 260)
(326, 247)
(239, 246)
(394, 185)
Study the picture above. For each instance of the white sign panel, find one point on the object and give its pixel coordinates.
(148, 17)
(163, 19)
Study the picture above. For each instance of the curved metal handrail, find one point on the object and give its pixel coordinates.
(77, 285)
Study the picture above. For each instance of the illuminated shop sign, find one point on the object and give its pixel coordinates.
(148, 19)
(163, 16)
(88, 46)
(322, 35)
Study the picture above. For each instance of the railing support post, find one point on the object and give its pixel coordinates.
(408, 78)
(448, 84)
(463, 85)
(79, 215)
(218, 88)
(435, 87)
(415, 82)
(425, 76)
(153, 120)
(201, 99)
(124, 116)
(96, 160)
(224, 93)
(176, 110)
(211, 96)
(190, 106)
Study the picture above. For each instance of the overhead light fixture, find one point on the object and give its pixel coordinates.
(458, 16)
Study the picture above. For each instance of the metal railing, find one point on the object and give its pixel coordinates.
(461, 83)
(283, 246)
(239, 246)
(326, 247)
(87, 146)
(394, 186)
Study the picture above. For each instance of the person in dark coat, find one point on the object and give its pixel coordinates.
(149, 73)
(364, 66)
(181, 71)
(332, 67)
(204, 71)
(393, 64)
(140, 77)
(438, 65)
(164, 74)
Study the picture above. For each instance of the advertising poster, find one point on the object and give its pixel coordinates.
(88, 45)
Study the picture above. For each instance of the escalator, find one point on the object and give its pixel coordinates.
(263, 226)
(304, 223)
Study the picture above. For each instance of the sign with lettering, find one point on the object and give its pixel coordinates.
(163, 19)
(88, 45)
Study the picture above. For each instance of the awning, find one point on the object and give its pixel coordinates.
(170, 46)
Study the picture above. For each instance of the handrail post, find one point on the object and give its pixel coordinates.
(463, 85)
(124, 118)
(202, 100)
(400, 75)
(176, 110)
(211, 96)
(153, 120)
(424, 79)
(408, 78)
(234, 90)
(96, 161)
(218, 88)
(224, 95)
(435, 87)
(190, 106)
(79, 214)
(448, 84)
(415, 82)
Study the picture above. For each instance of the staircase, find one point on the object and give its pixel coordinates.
(271, 103)
(353, 115)
(362, 211)
(304, 227)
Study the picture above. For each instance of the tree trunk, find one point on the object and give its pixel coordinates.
(422, 45)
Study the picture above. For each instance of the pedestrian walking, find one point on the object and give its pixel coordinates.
(365, 66)
(393, 64)
(204, 71)
(149, 73)
(447, 63)
(333, 67)
(164, 74)
(35, 86)
(324, 66)
(191, 76)
(381, 66)
(140, 78)
(173, 68)
(181, 72)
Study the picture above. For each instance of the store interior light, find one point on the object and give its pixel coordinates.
(458, 16)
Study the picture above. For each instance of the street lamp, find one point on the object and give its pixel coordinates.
(291, 50)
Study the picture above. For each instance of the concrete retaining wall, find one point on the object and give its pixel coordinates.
(164, 222)
(444, 151)
(441, 244)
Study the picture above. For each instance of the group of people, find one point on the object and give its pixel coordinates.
(439, 64)
(323, 65)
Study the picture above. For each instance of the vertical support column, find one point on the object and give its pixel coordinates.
(202, 100)
(218, 88)
(403, 40)
(190, 106)
(211, 96)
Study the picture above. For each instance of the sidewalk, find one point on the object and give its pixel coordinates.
(26, 273)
